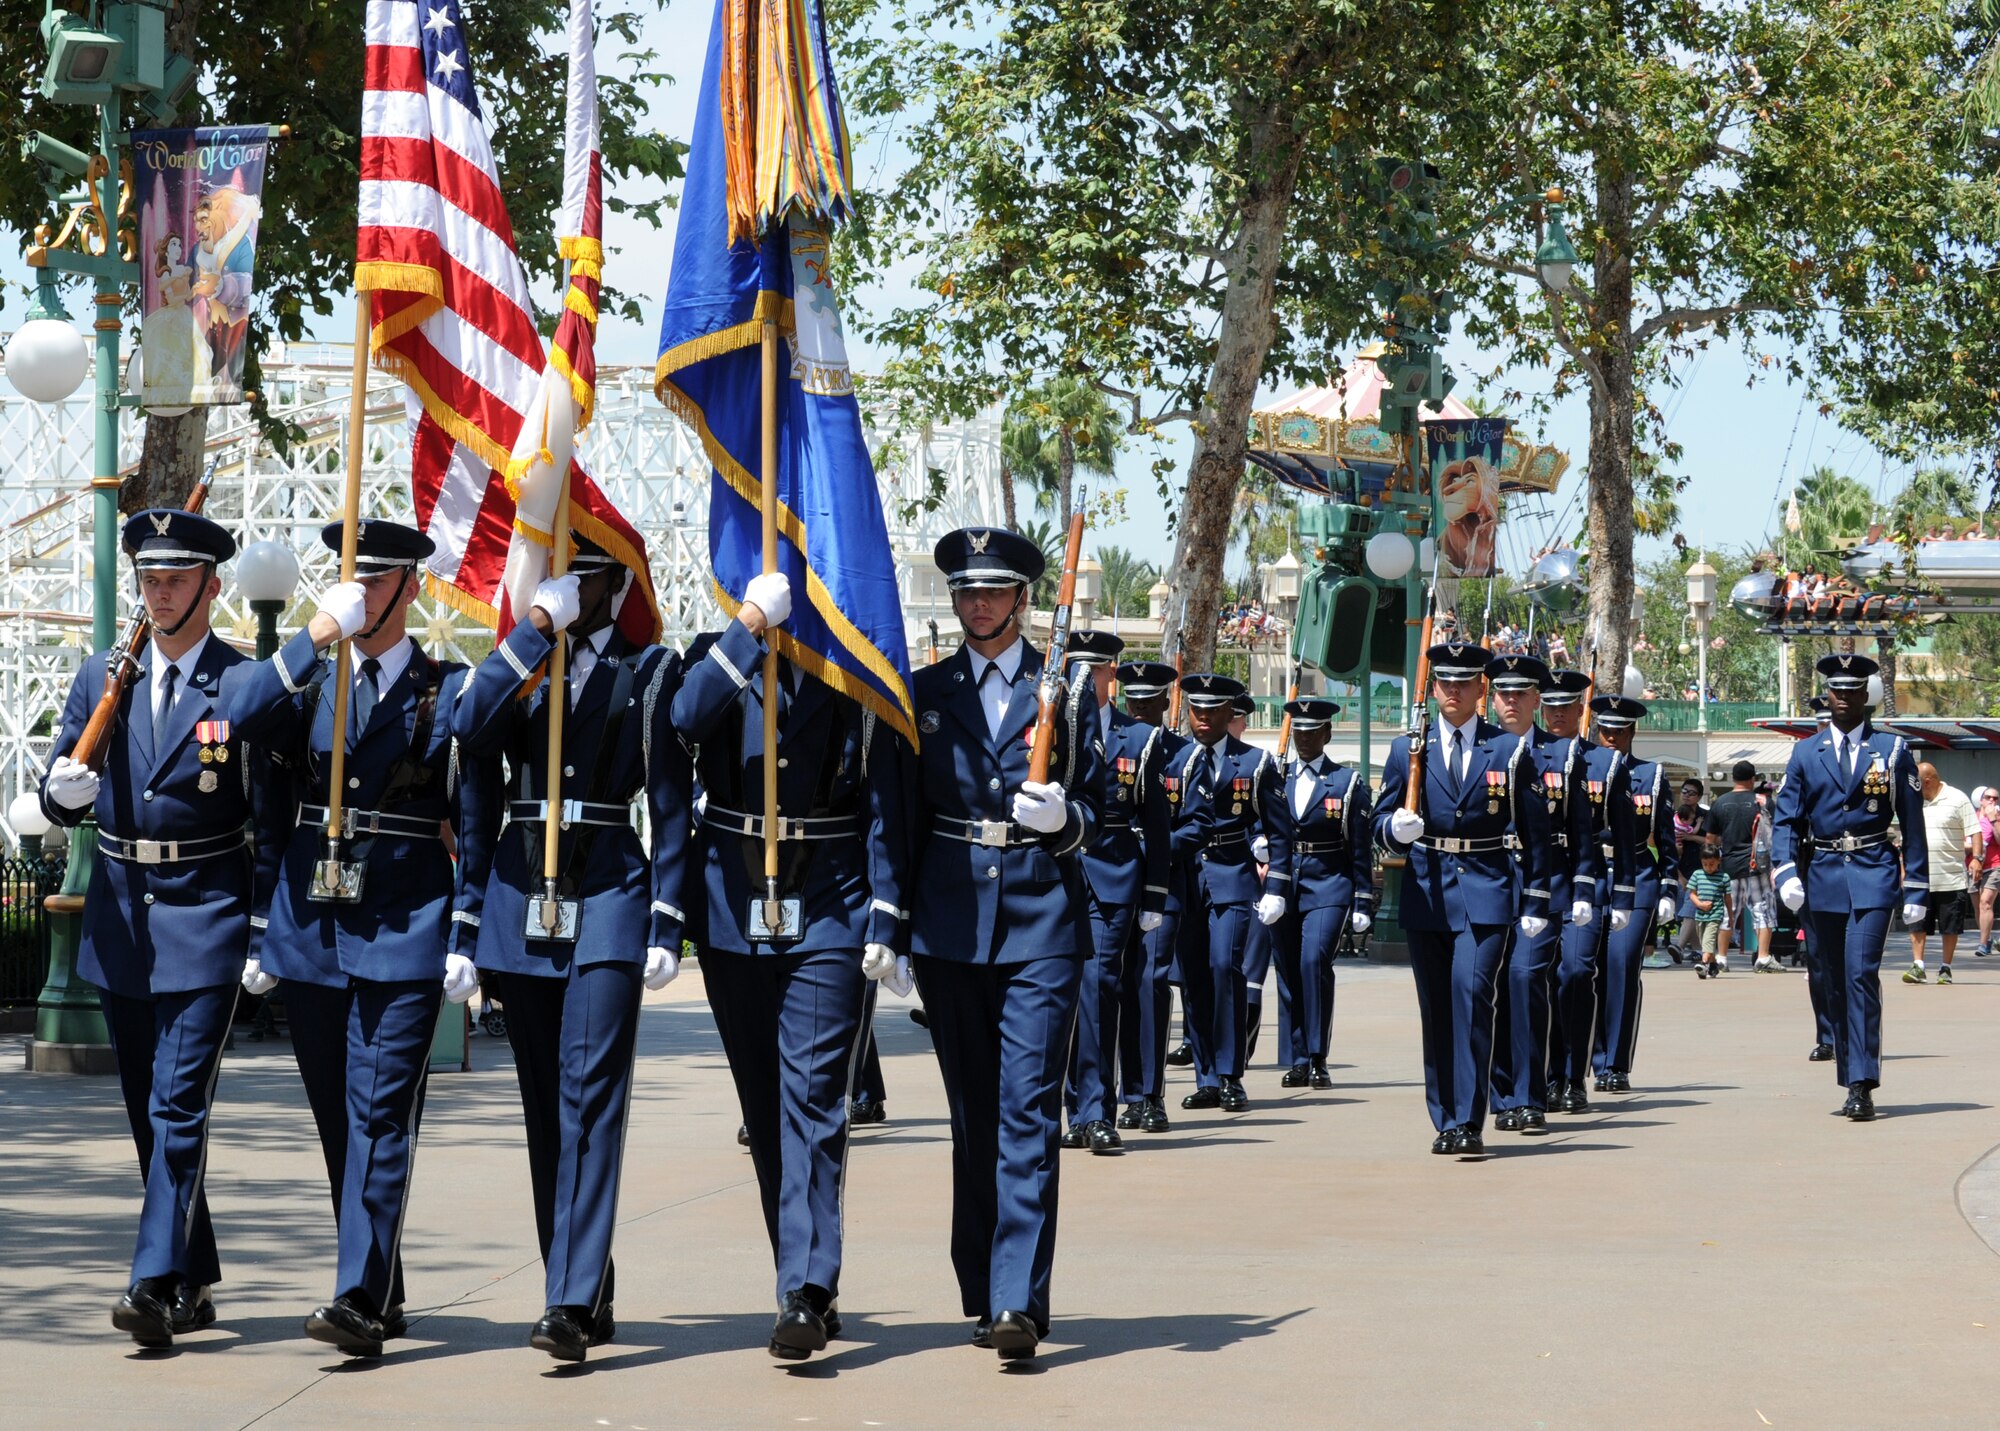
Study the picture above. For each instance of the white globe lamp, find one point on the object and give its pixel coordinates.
(1390, 556)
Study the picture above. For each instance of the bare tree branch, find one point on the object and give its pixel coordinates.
(1685, 318)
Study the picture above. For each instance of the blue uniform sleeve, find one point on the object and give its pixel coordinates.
(1531, 827)
(669, 790)
(711, 688)
(1586, 851)
(888, 836)
(266, 698)
(1084, 791)
(1666, 846)
(485, 716)
(478, 800)
(1910, 815)
(1389, 795)
(1789, 827)
(1360, 818)
(1156, 835)
(1195, 825)
(1274, 823)
(1622, 827)
(84, 692)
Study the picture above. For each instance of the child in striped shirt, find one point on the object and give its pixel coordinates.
(1708, 891)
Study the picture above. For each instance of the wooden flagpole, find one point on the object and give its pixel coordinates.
(350, 536)
(773, 910)
(558, 707)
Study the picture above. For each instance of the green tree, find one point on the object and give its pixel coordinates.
(1742, 661)
(300, 63)
(1758, 173)
(1127, 579)
(1053, 540)
(1052, 431)
(1834, 512)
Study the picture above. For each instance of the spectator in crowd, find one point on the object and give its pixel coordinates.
(1957, 855)
(1732, 824)
(1986, 800)
(1708, 892)
(1690, 819)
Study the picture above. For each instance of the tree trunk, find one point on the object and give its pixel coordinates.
(1243, 340)
(169, 463)
(1065, 474)
(1007, 498)
(1886, 649)
(1612, 400)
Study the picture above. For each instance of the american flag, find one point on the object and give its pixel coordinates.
(452, 315)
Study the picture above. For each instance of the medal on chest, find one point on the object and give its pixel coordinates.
(1332, 806)
(1239, 791)
(1127, 769)
(1173, 787)
(1552, 788)
(208, 782)
(1496, 790)
(1596, 788)
(213, 738)
(1642, 806)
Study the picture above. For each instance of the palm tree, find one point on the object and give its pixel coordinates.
(1934, 495)
(1056, 427)
(1054, 543)
(1126, 581)
(1834, 512)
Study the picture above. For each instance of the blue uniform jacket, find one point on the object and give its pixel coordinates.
(1655, 847)
(1819, 802)
(983, 904)
(1444, 890)
(167, 928)
(417, 903)
(1606, 778)
(836, 760)
(1333, 859)
(1189, 816)
(1574, 874)
(1129, 861)
(631, 897)
(1245, 793)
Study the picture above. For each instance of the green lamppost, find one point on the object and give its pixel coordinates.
(96, 59)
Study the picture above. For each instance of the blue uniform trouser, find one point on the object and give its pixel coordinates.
(1093, 1062)
(1622, 953)
(791, 1026)
(1577, 983)
(573, 1039)
(363, 1052)
(1816, 984)
(1849, 945)
(1145, 1009)
(1306, 944)
(1456, 971)
(1217, 1006)
(1260, 952)
(1002, 1035)
(169, 1052)
(869, 1079)
(1521, 1023)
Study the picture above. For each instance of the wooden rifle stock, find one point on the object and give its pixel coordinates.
(1285, 728)
(1174, 704)
(1420, 715)
(934, 641)
(1050, 693)
(123, 666)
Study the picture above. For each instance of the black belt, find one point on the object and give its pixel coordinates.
(1639, 852)
(1229, 837)
(1321, 847)
(369, 822)
(1848, 844)
(1105, 827)
(804, 827)
(995, 834)
(171, 852)
(574, 812)
(1452, 845)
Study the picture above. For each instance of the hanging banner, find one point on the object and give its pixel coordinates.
(200, 195)
(1464, 465)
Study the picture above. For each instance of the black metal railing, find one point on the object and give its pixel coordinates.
(24, 925)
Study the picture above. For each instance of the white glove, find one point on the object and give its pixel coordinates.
(1260, 850)
(1664, 910)
(878, 961)
(1792, 893)
(461, 979)
(255, 980)
(1581, 913)
(1619, 919)
(558, 597)
(347, 603)
(1150, 920)
(1270, 908)
(771, 593)
(661, 967)
(1913, 914)
(1041, 808)
(1406, 827)
(72, 784)
(900, 983)
(1533, 925)
(1360, 922)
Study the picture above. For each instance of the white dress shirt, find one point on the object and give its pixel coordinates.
(995, 693)
(183, 664)
(583, 658)
(1305, 779)
(393, 663)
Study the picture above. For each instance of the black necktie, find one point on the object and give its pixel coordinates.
(1451, 756)
(167, 694)
(366, 692)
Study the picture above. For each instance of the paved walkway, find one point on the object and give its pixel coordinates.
(1712, 1250)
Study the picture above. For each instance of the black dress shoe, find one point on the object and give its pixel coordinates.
(1104, 1138)
(144, 1315)
(561, 1333)
(1234, 1099)
(1507, 1120)
(862, 1109)
(344, 1324)
(603, 1327)
(1182, 1056)
(982, 1333)
(1131, 1115)
(394, 1323)
(1821, 1053)
(1154, 1119)
(192, 1309)
(1074, 1136)
(1621, 1083)
(1320, 1078)
(1575, 1100)
(742, 1135)
(1203, 1098)
(1604, 1082)
(1014, 1336)
(920, 1018)
(1470, 1144)
(799, 1330)
(1445, 1143)
(1860, 1104)
(1297, 1076)
(1533, 1120)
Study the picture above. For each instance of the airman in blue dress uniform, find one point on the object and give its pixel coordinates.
(1250, 825)
(1613, 834)
(1125, 881)
(1333, 877)
(1464, 893)
(1521, 685)
(1145, 990)
(166, 920)
(1842, 791)
(1656, 894)
(364, 977)
(1260, 940)
(999, 930)
(572, 995)
(792, 1004)
(1816, 973)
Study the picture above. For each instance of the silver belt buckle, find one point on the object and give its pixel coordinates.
(790, 828)
(149, 852)
(572, 812)
(993, 832)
